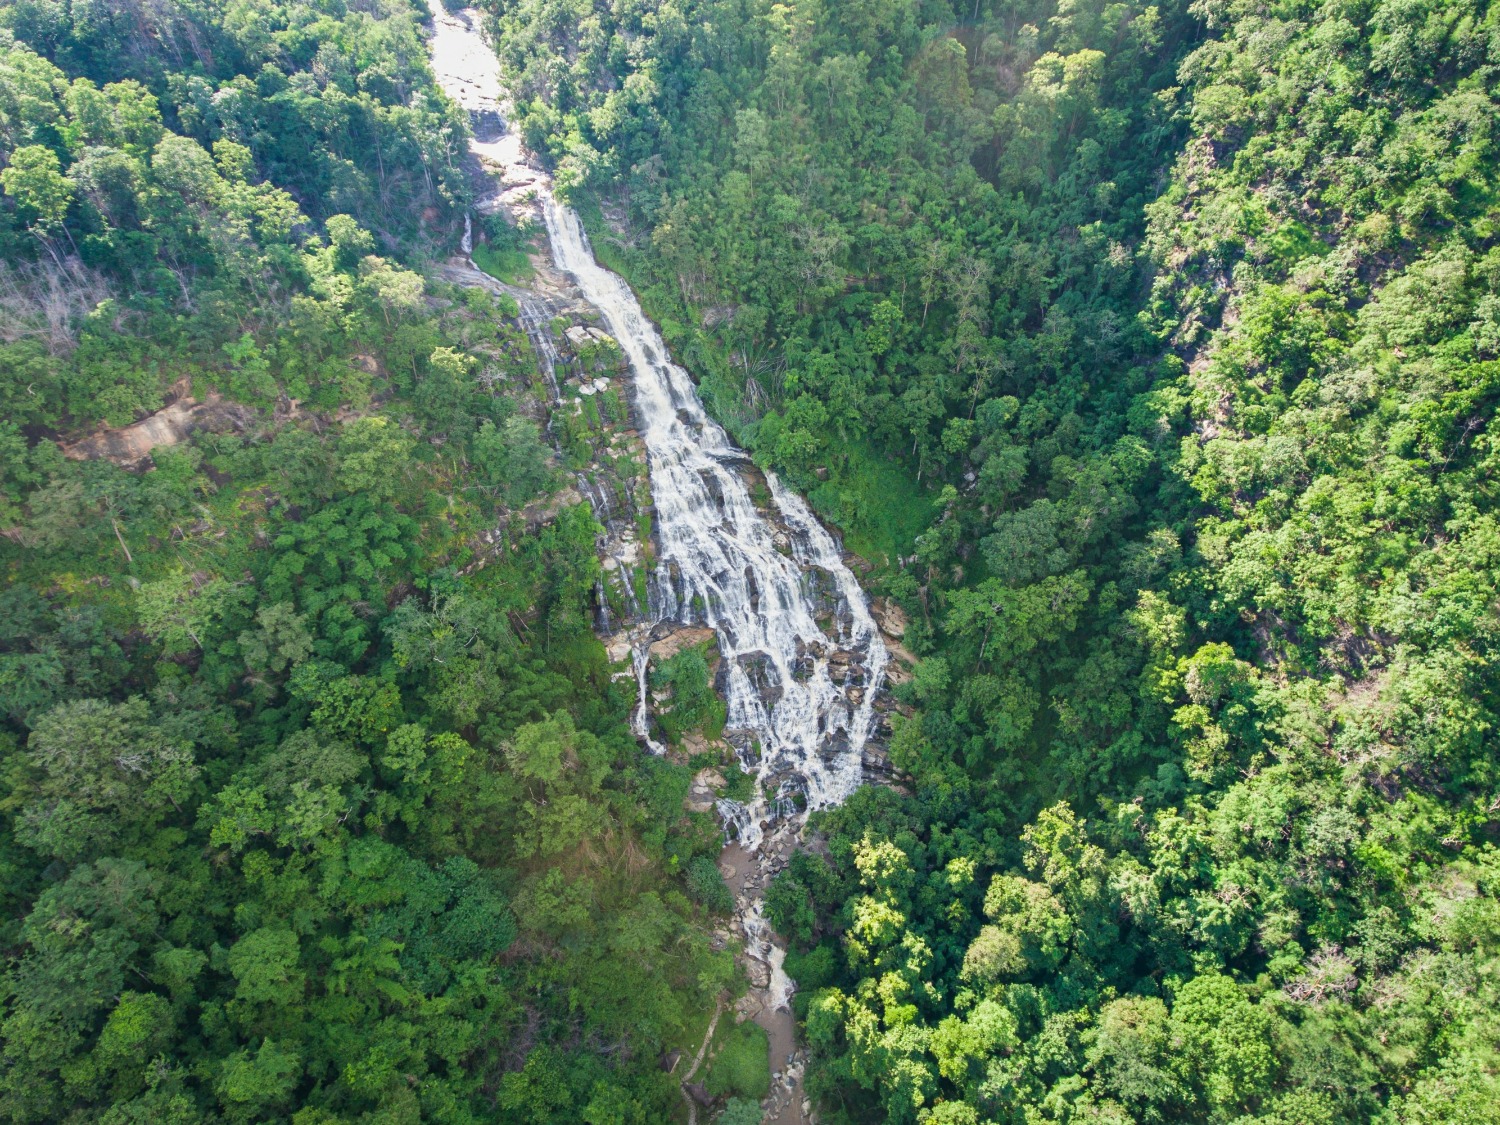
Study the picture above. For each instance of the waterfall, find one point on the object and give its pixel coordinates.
(467, 245)
(803, 659)
(640, 721)
(724, 564)
(536, 323)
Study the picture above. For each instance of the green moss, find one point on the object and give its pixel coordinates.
(694, 705)
(743, 1065)
(876, 502)
(738, 785)
(510, 266)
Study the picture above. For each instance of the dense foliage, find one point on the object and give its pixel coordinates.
(165, 167)
(1152, 354)
(319, 803)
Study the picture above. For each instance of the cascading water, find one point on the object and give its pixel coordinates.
(803, 657)
(803, 660)
(726, 565)
(640, 721)
(534, 322)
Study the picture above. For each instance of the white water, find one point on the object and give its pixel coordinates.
(720, 564)
(760, 586)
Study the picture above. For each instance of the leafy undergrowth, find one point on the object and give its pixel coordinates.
(876, 502)
(741, 1066)
(1187, 319)
(510, 266)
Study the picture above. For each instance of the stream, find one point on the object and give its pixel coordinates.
(737, 552)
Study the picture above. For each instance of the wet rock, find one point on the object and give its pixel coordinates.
(834, 746)
(876, 763)
(816, 649)
(699, 801)
(889, 616)
(757, 668)
(580, 336)
(897, 674)
(758, 972)
(676, 638)
(742, 740)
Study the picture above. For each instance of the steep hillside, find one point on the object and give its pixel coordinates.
(1176, 330)
(319, 803)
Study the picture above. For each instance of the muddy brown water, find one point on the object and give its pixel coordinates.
(748, 874)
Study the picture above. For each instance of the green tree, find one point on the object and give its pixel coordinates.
(33, 178)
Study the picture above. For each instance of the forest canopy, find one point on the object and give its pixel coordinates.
(319, 803)
(1151, 354)
(1148, 353)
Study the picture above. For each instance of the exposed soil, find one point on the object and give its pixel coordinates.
(130, 445)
